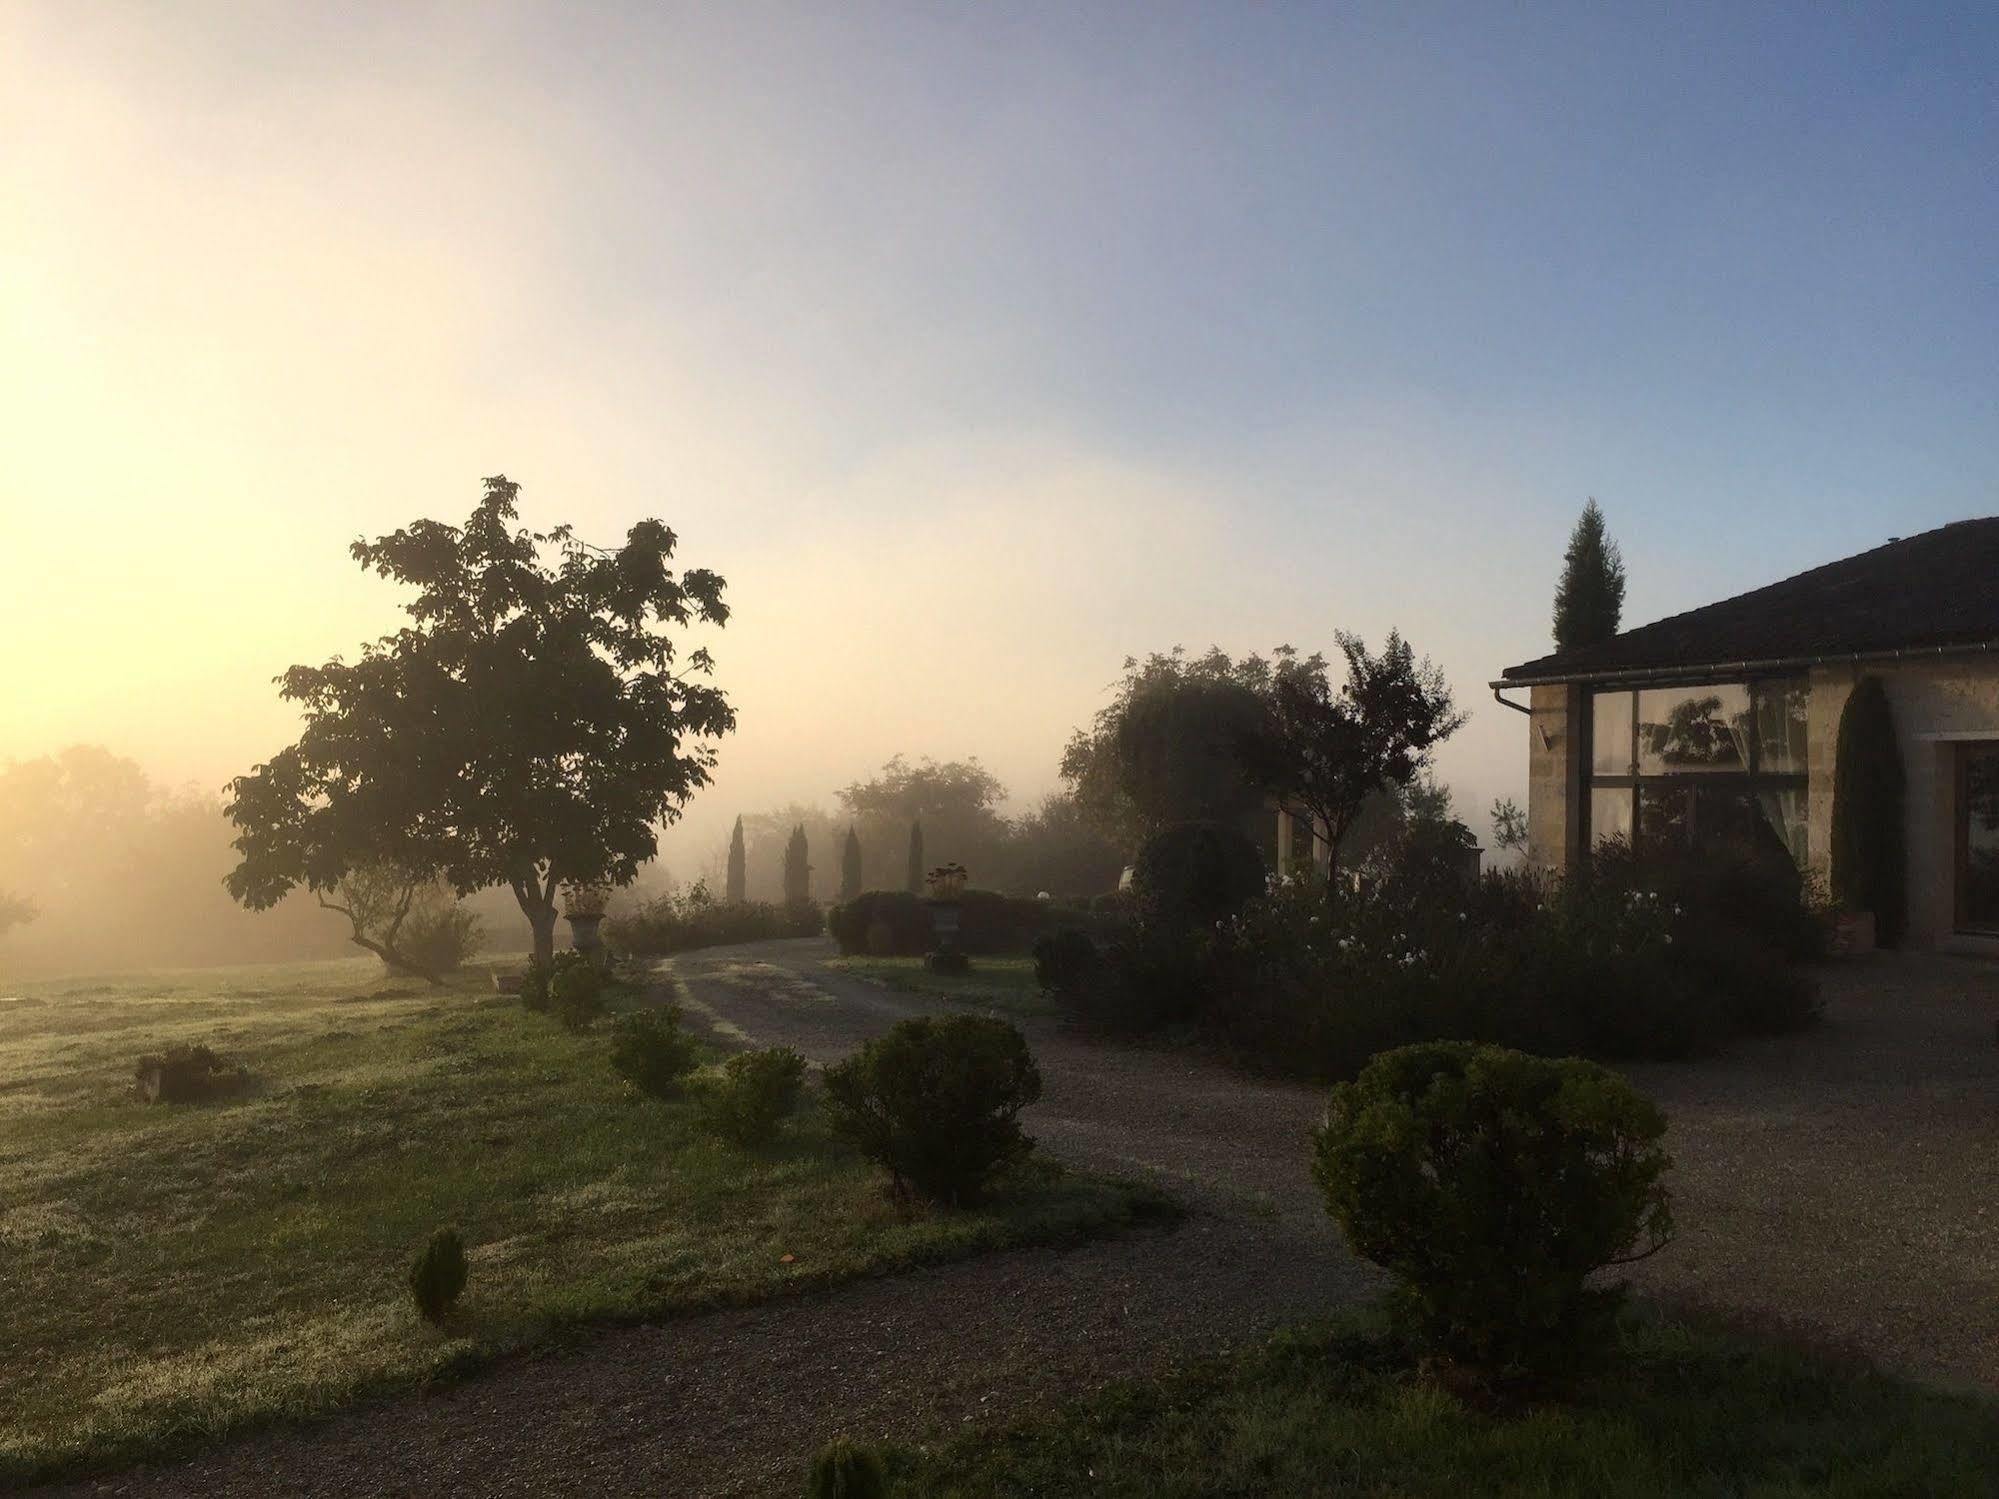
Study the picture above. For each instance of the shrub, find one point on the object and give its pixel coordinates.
(843, 1470)
(1064, 961)
(1867, 781)
(1197, 873)
(440, 937)
(651, 1052)
(576, 991)
(681, 923)
(937, 1101)
(186, 1074)
(438, 1276)
(1492, 1184)
(538, 985)
(756, 1092)
(881, 923)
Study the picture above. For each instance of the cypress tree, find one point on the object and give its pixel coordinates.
(1589, 601)
(797, 872)
(850, 867)
(738, 877)
(1867, 854)
(916, 856)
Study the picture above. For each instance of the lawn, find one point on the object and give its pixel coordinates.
(1336, 1412)
(1002, 983)
(174, 1271)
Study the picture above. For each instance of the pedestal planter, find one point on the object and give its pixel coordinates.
(583, 933)
(945, 886)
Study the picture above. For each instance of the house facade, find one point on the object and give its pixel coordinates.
(1724, 722)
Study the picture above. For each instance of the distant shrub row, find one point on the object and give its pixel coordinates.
(680, 923)
(896, 923)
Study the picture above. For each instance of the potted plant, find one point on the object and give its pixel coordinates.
(583, 905)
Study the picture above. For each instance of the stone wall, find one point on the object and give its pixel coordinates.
(1554, 776)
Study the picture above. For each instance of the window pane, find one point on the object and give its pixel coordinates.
(1610, 813)
(1978, 896)
(1786, 813)
(1781, 726)
(1693, 729)
(1696, 817)
(1610, 733)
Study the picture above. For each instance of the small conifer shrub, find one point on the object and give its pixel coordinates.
(650, 1051)
(756, 1093)
(846, 1470)
(1868, 872)
(438, 1276)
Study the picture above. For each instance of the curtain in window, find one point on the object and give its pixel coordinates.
(1788, 813)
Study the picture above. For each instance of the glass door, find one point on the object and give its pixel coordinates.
(1978, 838)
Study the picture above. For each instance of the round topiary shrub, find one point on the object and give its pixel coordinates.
(1492, 1184)
(754, 1095)
(438, 1276)
(1196, 873)
(843, 1470)
(937, 1102)
(1065, 960)
(651, 1052)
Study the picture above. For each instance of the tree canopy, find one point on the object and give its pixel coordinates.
(1589, 599)
(1322, 751)
(957, 801)
(1164, 750)
(531, 726)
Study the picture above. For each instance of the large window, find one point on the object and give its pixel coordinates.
(1698, 764)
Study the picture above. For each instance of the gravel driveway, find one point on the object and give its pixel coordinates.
(1842, 1182)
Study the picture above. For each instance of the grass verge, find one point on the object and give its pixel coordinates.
(179, 1271)
(1328, 1412)
(1004, 983)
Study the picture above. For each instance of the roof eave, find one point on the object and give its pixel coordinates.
(1708, 670)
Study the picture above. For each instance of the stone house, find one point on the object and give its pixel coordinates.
(1723, 721)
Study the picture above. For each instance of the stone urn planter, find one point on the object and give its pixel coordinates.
(583, 909)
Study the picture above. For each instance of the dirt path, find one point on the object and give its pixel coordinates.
(1843, 1182)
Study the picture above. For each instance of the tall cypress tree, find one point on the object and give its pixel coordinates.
(738, 877)
(850, 867)
(1589, 601)
(1868, 872)
(916, 856)
(797, 872)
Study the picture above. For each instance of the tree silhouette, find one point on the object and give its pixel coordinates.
(736, 887)
(1589, 601)
(916, 869)
(850, 867)
(797, 871)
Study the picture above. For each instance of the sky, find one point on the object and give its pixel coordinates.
(978, 347)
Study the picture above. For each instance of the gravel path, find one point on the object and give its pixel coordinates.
(1846, 1177)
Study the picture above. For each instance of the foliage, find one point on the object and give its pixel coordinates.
(15, 910)
(531, 726)
(186, 1073)
(757, 1092)
(1692, 1410)
(1164, 750)
(1509, 825)
(576, 991)
(650, 1051)
(883, 923)
(1868, 871)
(672, 923)
(1194, 874)
(937, 1101)
(736, 882)
(1065, 961)
(956, 802)
(1323, 751)
(797, 869)
(1058, 848)
(438, 1276)
(1589, 599)
(845, 1470)
(411, 921)
(850, 866)
(914, 874)
(1492, 1185)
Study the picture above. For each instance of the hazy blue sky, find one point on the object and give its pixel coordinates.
(978, 346)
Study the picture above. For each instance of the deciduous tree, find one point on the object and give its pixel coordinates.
(532, 725)
(1321, 751)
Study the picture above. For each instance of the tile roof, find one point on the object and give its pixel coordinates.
(1939, 589)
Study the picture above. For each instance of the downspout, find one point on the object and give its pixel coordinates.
(1497, 688)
